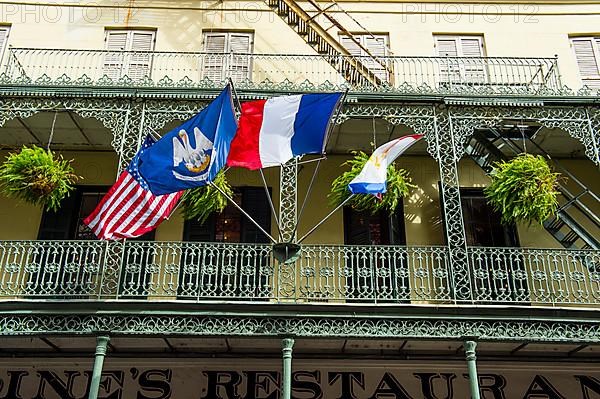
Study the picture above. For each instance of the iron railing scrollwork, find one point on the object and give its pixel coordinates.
(199, 272)
(517, 75)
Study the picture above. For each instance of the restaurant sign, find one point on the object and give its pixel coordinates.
(254, 379)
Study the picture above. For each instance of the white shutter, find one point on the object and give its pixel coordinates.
(469, 68)
(474, 70)
(447, 47)
(114, 61)
(239, 66)
(3, 39)
(587, 60)
(142, 43)
(449, 70)
(377, 47)
(351, 46)
(116, 41)
(214, 59)
(471, 46)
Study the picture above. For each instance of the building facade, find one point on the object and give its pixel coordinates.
(375, 306)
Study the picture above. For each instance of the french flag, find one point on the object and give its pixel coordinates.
(271, 132)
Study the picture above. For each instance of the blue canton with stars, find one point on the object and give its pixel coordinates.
(133, 167)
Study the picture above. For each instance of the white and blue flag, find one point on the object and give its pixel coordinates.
(192, 154)
(372, 178)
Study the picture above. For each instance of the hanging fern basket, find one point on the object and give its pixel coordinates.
(37, 176)
(199, 203)
(398, 186)
(523, 189)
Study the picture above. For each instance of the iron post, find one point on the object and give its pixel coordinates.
(472, 366)
(286, 390)
(101, 346)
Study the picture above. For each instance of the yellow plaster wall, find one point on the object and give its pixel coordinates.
(422, 208)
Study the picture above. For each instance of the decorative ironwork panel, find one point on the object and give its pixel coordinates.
(445, 148)
(356, 326)
(111, 113)
(64, 269)
(522, 275)
(573, 120)
(158, 113)
(198, 272)
(594, 118)
(482, 76)
(288, 202)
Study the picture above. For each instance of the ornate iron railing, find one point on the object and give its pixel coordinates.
(279, 71)
(323, 273)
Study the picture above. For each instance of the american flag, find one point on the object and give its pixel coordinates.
(129, 209)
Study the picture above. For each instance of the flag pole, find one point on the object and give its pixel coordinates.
(335, 118)
(329, 129)
(262, 175)
(242, 211)
(324, 219)
(310, 186)
(235, 96)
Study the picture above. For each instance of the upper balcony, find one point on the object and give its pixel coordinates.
(283, 72)
(324, 274)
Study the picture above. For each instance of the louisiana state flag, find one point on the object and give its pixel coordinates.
(192, 154)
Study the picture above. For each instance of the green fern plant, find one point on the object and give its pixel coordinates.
(398, 186)
(523, 189)
(199, 203)
(37, 176)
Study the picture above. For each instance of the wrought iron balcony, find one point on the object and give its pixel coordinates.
(198, 272)
(410, 75)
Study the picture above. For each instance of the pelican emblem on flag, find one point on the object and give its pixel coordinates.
(195, 158)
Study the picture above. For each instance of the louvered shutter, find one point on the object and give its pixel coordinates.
(377, 47)
(587, 60)
(214, 59)
(3, 39)
(351, 46)
(474, 71)
(142, 43)
(114, 61)
(447, 47)
(449, 70)
(239, 65)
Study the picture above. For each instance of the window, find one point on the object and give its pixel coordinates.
(587, 54)
(375, 274)
(482, 223)
(227, 55)
(67, 224)
(494, 277)
(236, 272)
(129, 53)
(377, 47)
(463, 69)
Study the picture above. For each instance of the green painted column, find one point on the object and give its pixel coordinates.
(472, 366)
(286, 389)
(101, 345)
